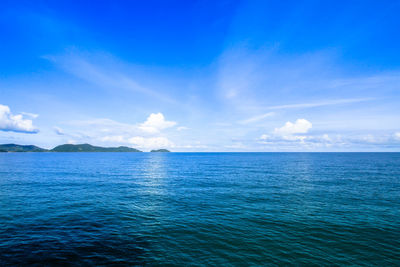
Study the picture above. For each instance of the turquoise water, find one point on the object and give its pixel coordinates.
(200, 208)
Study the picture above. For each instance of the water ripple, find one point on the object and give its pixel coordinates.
(200, 209)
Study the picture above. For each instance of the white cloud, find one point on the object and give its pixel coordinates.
(153, 125)
(15, 123)
(369, 138)
(301, 126)
(290, 133)
(300, 138)
(139, 141)
(59, 131)
(31, 115)
(257, 118)
(326, 137)
(156, 122)
(151, 142)
(332, 141)
(140, 135)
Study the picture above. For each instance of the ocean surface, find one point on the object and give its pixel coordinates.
(234, 209)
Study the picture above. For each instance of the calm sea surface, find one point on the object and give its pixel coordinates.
(200, 208)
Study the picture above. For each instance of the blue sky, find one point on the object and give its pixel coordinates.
(202, 75)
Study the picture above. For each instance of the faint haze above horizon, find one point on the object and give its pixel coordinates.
(201, 75)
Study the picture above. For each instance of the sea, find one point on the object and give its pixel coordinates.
(200, 209)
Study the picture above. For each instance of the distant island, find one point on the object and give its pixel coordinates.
(20, 148)
(160, 150)
(70, 148)
(90, 148)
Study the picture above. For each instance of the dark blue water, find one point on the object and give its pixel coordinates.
(200, 208)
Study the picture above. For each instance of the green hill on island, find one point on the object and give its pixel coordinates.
(160, 150)
(20, 148)
(90, 148)
(71, 148)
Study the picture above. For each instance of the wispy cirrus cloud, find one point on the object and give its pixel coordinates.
(103, 72)
(256, 118)
(321, 103)
(30, 115)
(251, 80)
